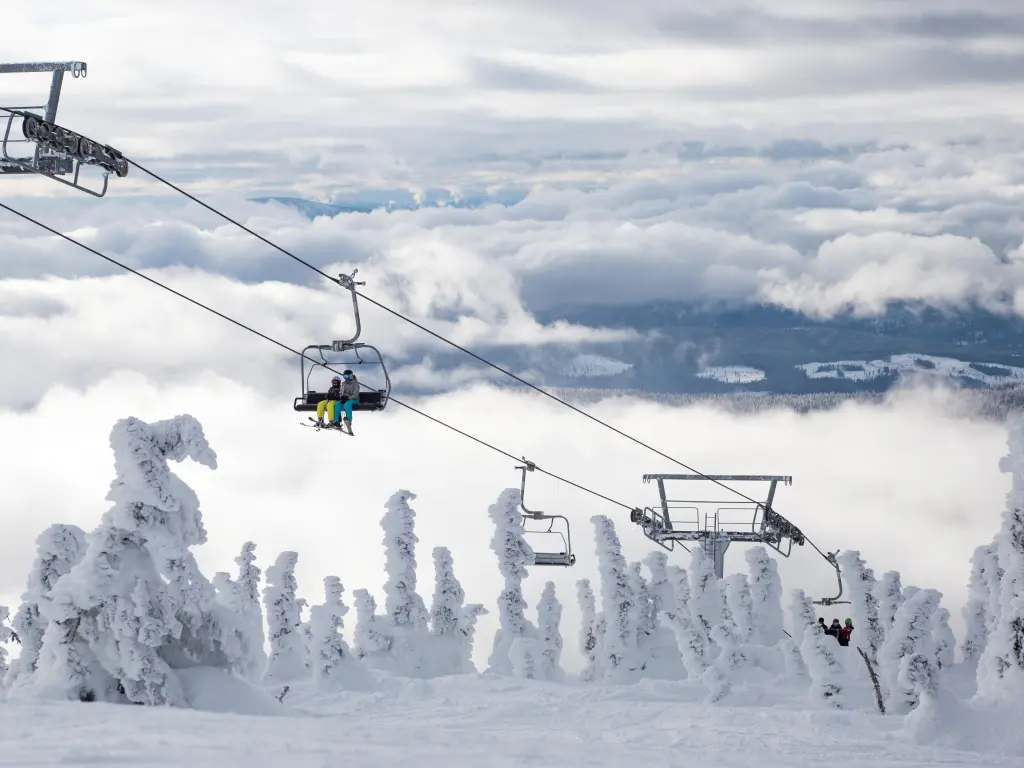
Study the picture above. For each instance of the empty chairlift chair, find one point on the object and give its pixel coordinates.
(555, 538)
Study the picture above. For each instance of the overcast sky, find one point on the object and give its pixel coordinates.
(826, 158)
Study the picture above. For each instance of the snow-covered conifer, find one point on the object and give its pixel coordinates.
(911, 634)
(372, 633)
(446, 609)
(136, 605)
(889, 596)
(287, 660)
(690, 637)
(619, 648)
(707, 602)
(549, 638)
(640, 611)
(943, 639)
(403, 603)
(660, 589)
(523, 654)
(976, 612)
(741, 605)
(1001, 669)
(451, 623)
(589, 637)
(861, 587)
(514, 555)
(328, 650)
(467, 634)
(58, 549)
(730, 663)
(6, 635)
(766, 593)
(818, 652)
(250, 609)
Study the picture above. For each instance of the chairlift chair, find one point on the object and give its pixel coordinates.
(564, 555)
(58, 151)
(339, 355)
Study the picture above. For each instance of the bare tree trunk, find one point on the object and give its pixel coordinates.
(874, 680)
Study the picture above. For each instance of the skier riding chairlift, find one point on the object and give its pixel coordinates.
(339, 396)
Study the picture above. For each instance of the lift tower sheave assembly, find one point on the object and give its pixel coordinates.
(716, 523)
(58, 151)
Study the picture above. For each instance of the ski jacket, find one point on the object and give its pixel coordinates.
(334, 393)
(844, 635)
(350, 389)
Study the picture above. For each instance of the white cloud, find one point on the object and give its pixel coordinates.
(871, 478)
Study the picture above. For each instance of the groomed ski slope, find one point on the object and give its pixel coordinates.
(469, 721)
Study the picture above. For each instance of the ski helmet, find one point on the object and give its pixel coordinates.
(346, 372)
(849, 621)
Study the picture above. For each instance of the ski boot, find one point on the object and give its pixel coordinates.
(348, 427)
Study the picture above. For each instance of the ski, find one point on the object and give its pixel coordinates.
(317, 427)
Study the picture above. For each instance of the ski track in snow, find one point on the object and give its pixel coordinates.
(472, 721)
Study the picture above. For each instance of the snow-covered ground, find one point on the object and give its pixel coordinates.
(474, 721)
(594, 365)
(903, 365)
(733, 374)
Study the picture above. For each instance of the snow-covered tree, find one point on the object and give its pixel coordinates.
(514, 555)
(707, 602)
(403, 604)
(136, 606)
(589, 636)
(889, 596)
(372, 635)
(287, 660)
(450, 621)
(819, 653)
(549, 638)
(250, 609)
(523, 655)
(58, 549)
(662, 597)
(329, 652)
(467, 633)
(911, 633)
(619, 649)
(6, 635)
(766, 593)
(741, 605)
(943, 639)
(976, 612)
(690, 637)
(1001, 669)
(640, 615)
(861, 587)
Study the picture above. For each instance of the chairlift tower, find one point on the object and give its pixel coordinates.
(715, 523)
(57, 151)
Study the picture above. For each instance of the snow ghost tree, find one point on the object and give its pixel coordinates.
(910, 635)
(451, 623)
(707, 602)
(889, 596)
(1001, 669)
(977, 613)
(819, 653)
(549, 638)
(690, 638)
(619, 648)
(766, 593)
(589, 635)
(248, 607)
(58, 549)
(136, 607)
(741, 605)
(287, 660)
(514, 555)
(372, 635)
(661, 650)
(329, 652)
(6, 635)
(944, 640)
(861, 584)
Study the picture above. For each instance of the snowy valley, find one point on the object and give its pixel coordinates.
(678, 665)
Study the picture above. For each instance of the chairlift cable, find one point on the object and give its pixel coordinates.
(436, 335)
(284, 346)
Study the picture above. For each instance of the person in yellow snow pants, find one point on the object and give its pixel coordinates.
(331, 403)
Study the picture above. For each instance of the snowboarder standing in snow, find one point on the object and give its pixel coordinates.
(339, 396)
